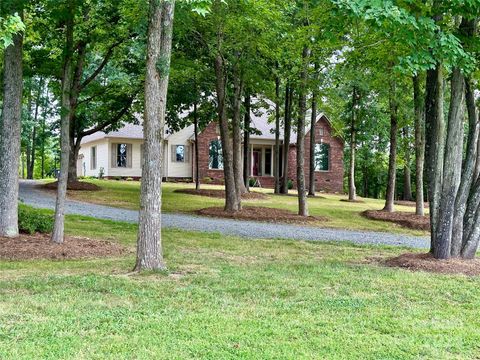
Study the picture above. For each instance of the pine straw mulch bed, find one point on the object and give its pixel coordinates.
(259, 213)
(220, 194)
(39, 246)
(73, 185)
(426, 262)
(409, 203)
(405, 219)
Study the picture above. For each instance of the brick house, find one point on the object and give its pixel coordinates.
(119, 154)
(329, 155)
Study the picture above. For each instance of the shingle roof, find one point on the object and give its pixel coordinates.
(262, 120)
(128, 131)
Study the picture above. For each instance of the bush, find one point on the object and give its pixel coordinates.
(290, 184)
(129, 179)
(251, 182)
(31, 220)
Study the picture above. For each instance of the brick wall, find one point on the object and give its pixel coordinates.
(329, 181)
(204, 138)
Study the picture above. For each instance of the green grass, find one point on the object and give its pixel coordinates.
(340, 214)
(226, 298)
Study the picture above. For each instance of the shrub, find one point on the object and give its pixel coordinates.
(31, 220)
(207, 180)
(101, 173)
(251, 182)
(129, 179)
(290, 184)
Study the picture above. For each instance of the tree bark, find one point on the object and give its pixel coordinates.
(231, 199)
(302, 112)
(237, 136)
(277, 135)
(313, 123)
(392, 162)
(246, 142)
(195, 130)
(10, 132)
(435, 144)
(419, 145)
(31, 167)
(468, 168)
(159, 47)
(352, 190)
(286, 137)
(407, 176)
(67, 79)
(451, 174)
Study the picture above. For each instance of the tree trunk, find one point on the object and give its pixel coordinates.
(231, 199)
(407, 176)
(159, 47)
(277, 135)
(246, 142)
(392, 163)
(468, 169)
(10, 132)
(352, 190)
(72, 164)
(286, 138)
(313, 123)
(31, 168)
(302, 112)
(237, 137)
(451, 174)
(67, 78)
(195, 130)
(419, 145)
(435, 144)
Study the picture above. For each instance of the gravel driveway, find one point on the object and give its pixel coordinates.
(30, 194)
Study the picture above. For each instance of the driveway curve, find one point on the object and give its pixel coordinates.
(31, 194)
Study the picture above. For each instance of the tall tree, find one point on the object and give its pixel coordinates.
(302, 111)
(159, 47)
(65, 113)
(392, 161)
(10, 127)
(419, 145)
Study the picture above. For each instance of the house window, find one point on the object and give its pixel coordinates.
(268, 161)
(93, 158)
(179, 153)
(322, 157)
(122, 155)
(321, 131)
(215, 156)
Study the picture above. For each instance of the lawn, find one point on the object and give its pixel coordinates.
(225, 298)
(340, 214)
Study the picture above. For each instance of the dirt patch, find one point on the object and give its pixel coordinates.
(73, 185)
(259, 213)
(410, 203)
(405, 219)
(220, 194)
(38, 246)
(426, 262)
